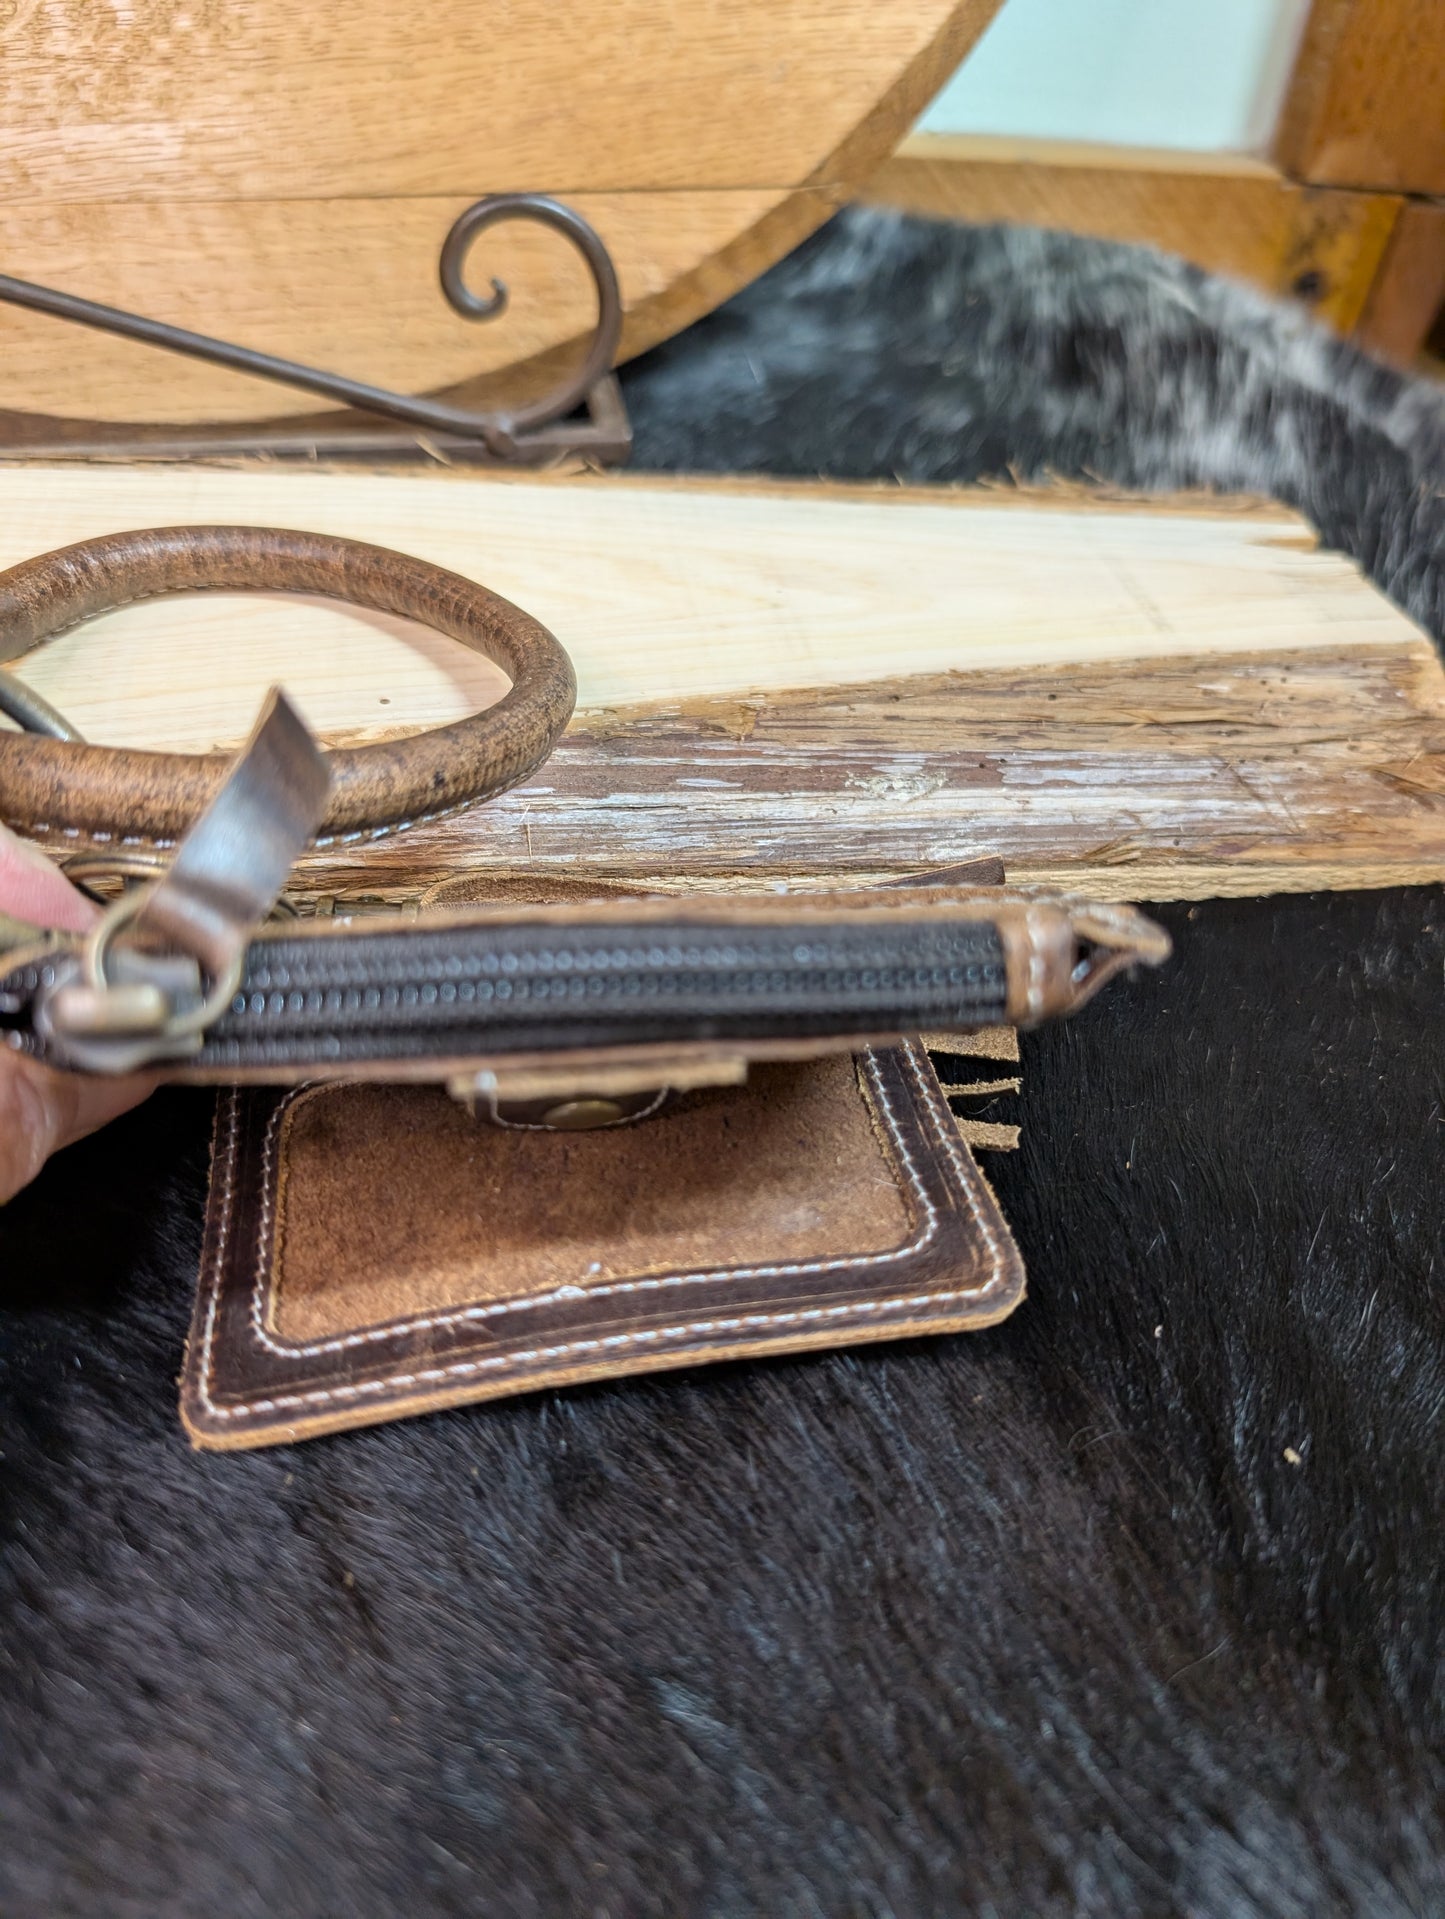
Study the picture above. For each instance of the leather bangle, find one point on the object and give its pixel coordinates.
(64, 789)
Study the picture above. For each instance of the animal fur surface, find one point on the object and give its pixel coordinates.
(1130, 1605)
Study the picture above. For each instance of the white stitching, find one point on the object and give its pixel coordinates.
(218, 1251)
(293, 1349)
(334, 839)
(434, 1374)
(461, 1369)
(402, 826)
(38, 827)
(35, 828)
(947, 1129)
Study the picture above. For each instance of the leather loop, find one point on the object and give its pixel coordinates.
(60, 789)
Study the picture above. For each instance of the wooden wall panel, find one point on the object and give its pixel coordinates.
(1366, 104)
(1408, 292)
(1229, 214)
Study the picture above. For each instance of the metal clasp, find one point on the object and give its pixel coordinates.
(170, 1006)
(112, 1005)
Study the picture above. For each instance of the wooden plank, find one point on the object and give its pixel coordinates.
(1366, 101)
(280, 187)
(1408, 294)
(1170, 698)
(1161, 778)
(1228, 213)
(665, 589)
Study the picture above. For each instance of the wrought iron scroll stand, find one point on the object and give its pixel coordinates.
(538, 433)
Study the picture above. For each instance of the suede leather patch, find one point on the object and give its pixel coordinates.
(373, 1251)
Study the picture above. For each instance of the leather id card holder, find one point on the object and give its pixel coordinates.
(374, 1251)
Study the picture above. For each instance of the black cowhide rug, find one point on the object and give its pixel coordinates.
(1131, 1605)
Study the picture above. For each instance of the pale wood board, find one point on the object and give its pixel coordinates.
(665, 590)
(1226, 212)
(1159, 699)
(283, 175)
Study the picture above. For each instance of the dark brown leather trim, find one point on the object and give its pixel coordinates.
(59, 790)
(243, 1386)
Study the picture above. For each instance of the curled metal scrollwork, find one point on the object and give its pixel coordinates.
(601, 351)
(500, 430)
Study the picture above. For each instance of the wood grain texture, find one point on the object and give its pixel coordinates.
(665, 589)
(217, 100)
(1408, 294)
(1228, 213)
(1154, 699)
(1366, 101)
(1178, 778)
(255, 170)
(349, 285)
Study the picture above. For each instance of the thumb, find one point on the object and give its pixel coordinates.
(41, 1111)
(33, 889)
(31, 1120)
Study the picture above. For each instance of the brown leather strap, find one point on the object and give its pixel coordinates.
(62, 790)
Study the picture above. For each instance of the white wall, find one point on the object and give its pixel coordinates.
(1204, 75)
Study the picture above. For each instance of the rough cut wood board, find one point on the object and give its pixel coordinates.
(1173, 698)
(284, 174)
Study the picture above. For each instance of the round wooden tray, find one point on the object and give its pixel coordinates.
(284, 175)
